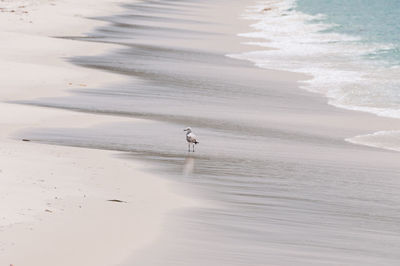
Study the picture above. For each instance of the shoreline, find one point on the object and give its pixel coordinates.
(326, 81)
(311, 178)
(55, 200)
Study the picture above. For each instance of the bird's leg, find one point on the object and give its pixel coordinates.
(189, 147)
(193, 147)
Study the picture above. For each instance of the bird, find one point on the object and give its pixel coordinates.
(190, 138)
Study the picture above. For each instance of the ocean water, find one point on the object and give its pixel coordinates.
(350, 48)
(277, 193)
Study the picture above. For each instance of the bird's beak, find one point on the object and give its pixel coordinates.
(185, 130)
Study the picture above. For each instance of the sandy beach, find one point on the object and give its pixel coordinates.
(283, 185)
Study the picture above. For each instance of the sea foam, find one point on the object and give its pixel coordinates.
(341, 65)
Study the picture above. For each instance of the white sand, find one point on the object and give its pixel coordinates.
(53, 200)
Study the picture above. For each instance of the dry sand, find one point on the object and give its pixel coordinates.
(54, 200)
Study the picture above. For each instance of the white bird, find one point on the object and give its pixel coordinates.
(190, 138)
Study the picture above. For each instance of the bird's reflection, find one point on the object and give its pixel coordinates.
(188, 166)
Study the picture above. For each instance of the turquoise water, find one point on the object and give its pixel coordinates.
(350, 49)
(375, 26)
(375, 22)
